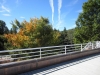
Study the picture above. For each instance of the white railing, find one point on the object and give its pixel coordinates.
(92, 45)
(41, 52)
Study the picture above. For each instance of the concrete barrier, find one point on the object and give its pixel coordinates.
(14, 68)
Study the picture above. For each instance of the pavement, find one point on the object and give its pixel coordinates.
(89, 65)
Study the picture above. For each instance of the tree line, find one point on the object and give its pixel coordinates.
(39, 32)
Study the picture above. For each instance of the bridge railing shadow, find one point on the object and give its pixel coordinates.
(53, 68)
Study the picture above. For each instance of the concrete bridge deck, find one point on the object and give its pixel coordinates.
(89, 65)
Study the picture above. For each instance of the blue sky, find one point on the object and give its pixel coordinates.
(61, 13)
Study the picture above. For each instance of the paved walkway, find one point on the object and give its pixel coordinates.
(83, 66)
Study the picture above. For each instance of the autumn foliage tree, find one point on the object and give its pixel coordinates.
(35, 33)
(17, 41)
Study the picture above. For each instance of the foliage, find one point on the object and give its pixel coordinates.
(3, 30)
(15, 26)
(35, 33)
(88, 22)
(64, 37)
(17, 41)
(70, 34)
(43, 32)
(56, 37)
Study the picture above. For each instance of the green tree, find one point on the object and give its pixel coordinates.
(43, 32)
(35, 33)
(16, 25)
(3, 30)
(64, 37)
(70, 34)
(56, 37)
(88, 22)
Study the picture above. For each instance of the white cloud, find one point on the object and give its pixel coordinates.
(79, 11)
(52, 7)
(61, 24)
(5, 9)
(59, 8)
(22, 17)
(6, 14)
(60, 21)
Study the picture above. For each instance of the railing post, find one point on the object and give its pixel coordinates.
(40, 53)
(92, 45)
(65, 49)
(81, 48)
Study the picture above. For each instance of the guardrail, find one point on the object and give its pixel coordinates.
(42, 52)
(92, 45)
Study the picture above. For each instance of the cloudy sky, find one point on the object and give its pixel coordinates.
(61, 13)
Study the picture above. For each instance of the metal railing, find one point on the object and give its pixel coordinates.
(92, 45)
(41, 52)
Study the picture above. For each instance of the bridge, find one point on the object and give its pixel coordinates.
(74, 60)
(89, 65)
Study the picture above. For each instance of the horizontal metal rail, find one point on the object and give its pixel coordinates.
(41, 52)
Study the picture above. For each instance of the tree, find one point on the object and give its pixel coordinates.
(43, 33)
(70, 34)
(88, 22)
(35, 33)
(64, 37)
(3, 30)
(16, 25)
(17, 41)
(56, 37)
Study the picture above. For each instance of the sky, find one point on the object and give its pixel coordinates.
(61, 13)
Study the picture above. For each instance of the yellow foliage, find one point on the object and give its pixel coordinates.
(28, 34)
(16, 40)
(20, 39)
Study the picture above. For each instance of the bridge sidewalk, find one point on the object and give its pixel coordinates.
(89, 65)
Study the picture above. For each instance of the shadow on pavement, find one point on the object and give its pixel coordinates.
(50, 69)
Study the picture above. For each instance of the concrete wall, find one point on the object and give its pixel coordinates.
(15, 68)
